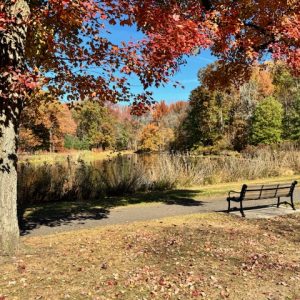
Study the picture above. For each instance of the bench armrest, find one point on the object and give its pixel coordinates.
(233, 192)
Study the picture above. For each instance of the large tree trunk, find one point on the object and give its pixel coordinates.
(9, 231)
(12, 59)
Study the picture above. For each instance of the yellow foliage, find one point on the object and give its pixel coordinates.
(155, 138)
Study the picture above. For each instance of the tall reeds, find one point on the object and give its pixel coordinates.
(80, 180)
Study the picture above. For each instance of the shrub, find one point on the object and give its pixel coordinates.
(73, 142)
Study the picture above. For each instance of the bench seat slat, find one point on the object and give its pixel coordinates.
(249, 189)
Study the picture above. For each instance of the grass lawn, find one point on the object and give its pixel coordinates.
(205, 256)
(75, 155)
(223, 188)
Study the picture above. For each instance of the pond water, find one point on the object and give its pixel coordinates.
(145, 159)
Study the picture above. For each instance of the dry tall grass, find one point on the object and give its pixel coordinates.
(80, 180)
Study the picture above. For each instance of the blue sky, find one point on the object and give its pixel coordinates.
(187, 74)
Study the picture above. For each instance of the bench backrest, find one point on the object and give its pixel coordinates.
(255, 192)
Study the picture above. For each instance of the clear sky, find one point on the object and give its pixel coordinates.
(187, 74)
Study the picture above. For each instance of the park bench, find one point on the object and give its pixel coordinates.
(258, 192)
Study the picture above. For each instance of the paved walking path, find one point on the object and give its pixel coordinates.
(123, 215)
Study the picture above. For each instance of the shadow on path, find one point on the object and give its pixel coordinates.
(237, 207)
(53, 217)
(179, 197)
(256, 208)
(65, 213)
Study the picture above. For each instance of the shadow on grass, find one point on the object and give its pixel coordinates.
(64, 213)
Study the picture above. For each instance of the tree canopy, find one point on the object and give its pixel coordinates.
(67, 47)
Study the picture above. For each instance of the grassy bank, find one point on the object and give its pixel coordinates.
(82, 180)
(74, 155)
(207, 256)
(214, 190)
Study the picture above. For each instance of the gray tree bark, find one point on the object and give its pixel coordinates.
(12, 57)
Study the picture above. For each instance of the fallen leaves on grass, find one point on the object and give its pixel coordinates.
(209, 256)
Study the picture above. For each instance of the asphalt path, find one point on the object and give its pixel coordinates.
(144, 212)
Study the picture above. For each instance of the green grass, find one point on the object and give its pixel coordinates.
(206, 256)
(223, 188)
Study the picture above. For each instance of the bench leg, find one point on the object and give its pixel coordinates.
(228, 211)
(292, 202)
(278, 202)
(242, 210)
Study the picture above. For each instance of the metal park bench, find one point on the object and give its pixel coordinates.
(258, 192)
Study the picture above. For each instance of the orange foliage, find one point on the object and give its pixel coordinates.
(28, 141)
(264, 79)
(45, 121)
(160, 110)
(65, 120)
(178, 106)
(66, 37)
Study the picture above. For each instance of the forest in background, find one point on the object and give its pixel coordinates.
(265, 110)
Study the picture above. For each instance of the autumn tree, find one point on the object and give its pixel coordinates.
(44, 123)
(28, 140)
(153, 138)
(242, 100)
(245, 32)
(126, 127)
(149, 139)
(95, 125)
(160, 110)
(66, 125)
(205, 121)
(60, 43)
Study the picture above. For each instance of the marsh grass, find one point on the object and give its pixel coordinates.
(122, 175)
(188, 170)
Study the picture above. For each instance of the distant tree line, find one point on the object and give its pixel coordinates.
(265, 110)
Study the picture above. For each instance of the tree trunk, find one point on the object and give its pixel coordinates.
(9, 231)
(51, 146)
(12, 60)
